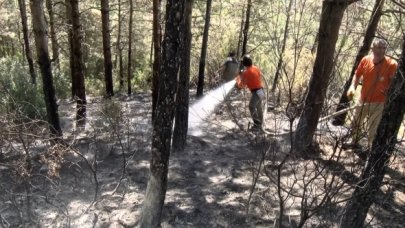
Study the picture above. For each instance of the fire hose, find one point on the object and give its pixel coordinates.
(322, 119)
(339, 112)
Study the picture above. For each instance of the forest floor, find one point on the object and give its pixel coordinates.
(226, 177)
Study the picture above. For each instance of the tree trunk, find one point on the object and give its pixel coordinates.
(381, 151)
(344, 101)
(331, 18)
(283, 45)
(41, 43)
(246, 28)
(28, 54)
(78, 63)
(181, 120)
(157, 37)
(119, 47)
(70, 41)
(129, 73)
(163, 123)
(242, 22)
(54, 40)
(105, 20)
(201, 69)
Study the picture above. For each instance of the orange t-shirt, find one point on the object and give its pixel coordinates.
(251, 78)
(376, 78)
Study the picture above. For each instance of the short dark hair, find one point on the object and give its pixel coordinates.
(247, 61)
(231, 54)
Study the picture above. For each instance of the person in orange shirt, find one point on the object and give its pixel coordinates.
(251, 78)
(377, 72)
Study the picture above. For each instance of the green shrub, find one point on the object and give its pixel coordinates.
(19, 94)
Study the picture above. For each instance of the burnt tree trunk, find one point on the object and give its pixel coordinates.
(28, 54)
(181, 119)
(246, 28)
(41, 43)
(163, 123)
(54, 40)
(129, 66)
(70, 41)
(344, 101)
(201, 68)
(381, 152)
(242, 22)
(157, 37)
(78, 64)
(105, 20)
(283, 45)
(331, 18)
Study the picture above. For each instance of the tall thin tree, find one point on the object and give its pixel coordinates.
(201, 68)
(246, 27)
(78, 65)
(105, 21)
(130, 29)
(157, 37)
(119, 46)
(41, 43)
(381, 151)
(69, 28)
(182, 98)
(242, 22)
(331, 18)
(27, 48)
(163, 122)
(368, 39)
(283, 46)
(54, 39)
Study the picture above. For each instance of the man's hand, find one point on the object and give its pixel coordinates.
(351, 92)
(238, 82)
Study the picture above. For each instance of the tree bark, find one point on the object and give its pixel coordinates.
(246, 28)
(54, 40)
(381, 152)
(242, 22)
(105, 20)
(283, 45)
(41, 43)
(331, 18)
(70, 41)
(344, 101)
(78, 64)
(163, 123)
(157, 37)
(28, 54)
(201, 69)
(129, 73)
(181, 119)
(119, 47)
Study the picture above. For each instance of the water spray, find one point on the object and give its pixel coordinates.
(205, 106)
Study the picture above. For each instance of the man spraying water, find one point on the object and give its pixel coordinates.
(251, 78)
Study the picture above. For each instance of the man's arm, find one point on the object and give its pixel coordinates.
(355, 81)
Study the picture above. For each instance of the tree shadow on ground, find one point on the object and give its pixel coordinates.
(208, 177)
(385, 211)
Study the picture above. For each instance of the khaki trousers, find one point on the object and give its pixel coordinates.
(366, 117)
